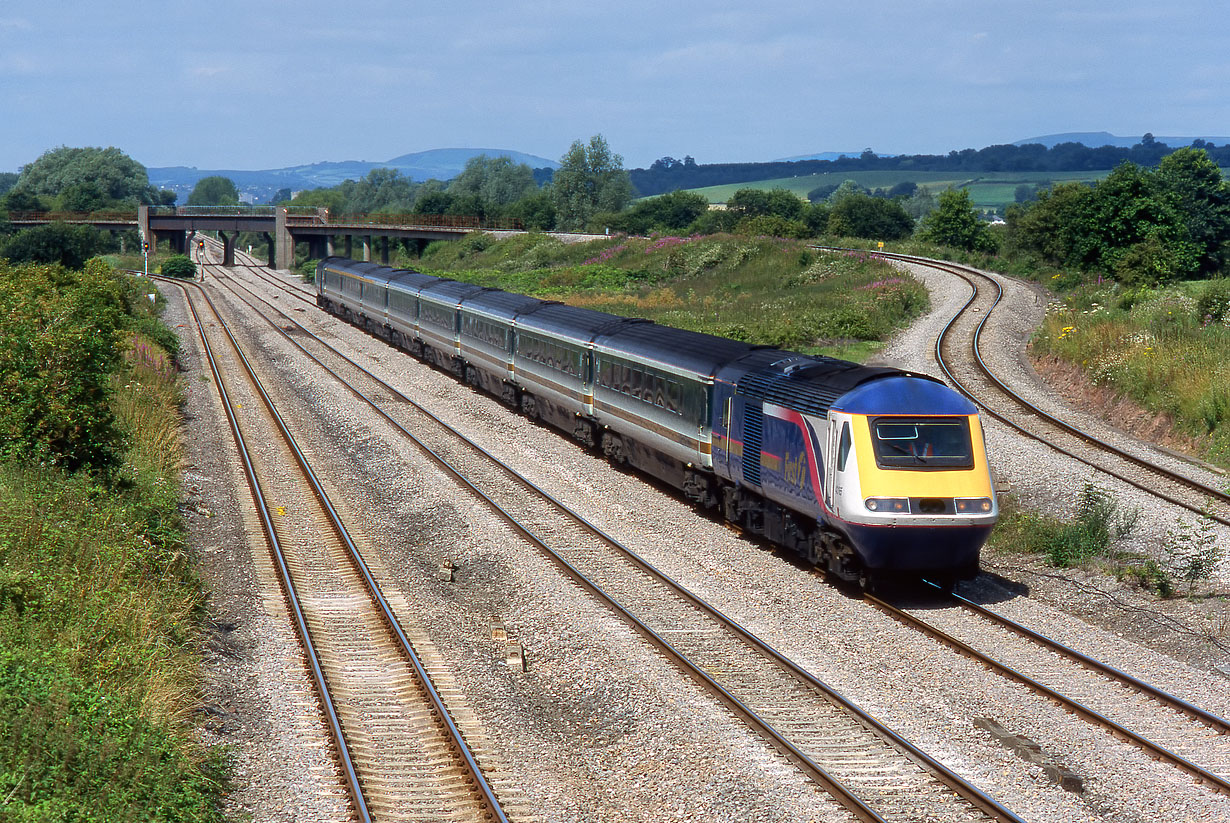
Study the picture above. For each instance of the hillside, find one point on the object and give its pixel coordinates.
(440, 164)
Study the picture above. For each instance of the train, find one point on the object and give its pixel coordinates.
(871, 473)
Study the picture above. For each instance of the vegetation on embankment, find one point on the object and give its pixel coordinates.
(1167, 349)
(757, 289)
(99, 607)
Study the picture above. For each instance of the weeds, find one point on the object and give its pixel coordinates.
(1099, 522)
(1192, 552)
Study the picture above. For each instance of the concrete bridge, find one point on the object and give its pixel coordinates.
(281, 227)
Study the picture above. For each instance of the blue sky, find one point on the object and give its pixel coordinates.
(270, 83)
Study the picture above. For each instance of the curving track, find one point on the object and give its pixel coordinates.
(875, 773)
(794, 711)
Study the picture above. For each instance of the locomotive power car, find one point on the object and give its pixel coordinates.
(868, 472)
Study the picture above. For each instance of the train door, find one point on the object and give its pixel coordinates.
(837, 461)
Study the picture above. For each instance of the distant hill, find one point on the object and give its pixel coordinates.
(1097, 139)
(824, 155)
(260, 185)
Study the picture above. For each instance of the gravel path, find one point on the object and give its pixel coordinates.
(598, 727)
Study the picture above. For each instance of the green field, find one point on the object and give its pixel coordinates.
(989, 190)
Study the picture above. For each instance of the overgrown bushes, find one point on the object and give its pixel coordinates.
(99, 606)
(1096, 535)
(1164, 348)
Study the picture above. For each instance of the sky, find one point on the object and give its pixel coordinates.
(256, 84)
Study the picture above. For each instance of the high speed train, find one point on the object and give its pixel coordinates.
(868, 472)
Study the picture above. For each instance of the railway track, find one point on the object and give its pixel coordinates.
(401, 754)
(1166, 727)
(959, 354)
(875, 773)
(1091, 690)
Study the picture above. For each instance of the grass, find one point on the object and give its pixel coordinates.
(99, 626)
(761, 290)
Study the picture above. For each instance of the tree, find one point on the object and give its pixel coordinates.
(848, 188)
(382, 190)
(332, 199)
(1203, 200)
(118, 176)
(280, 196)
(84, 197)
(675, 211)
(22, 200)
(1053, 225)
(496, 181)
(432, 201)
(56, 243)
(872, 218)
(214, 190)
(590, 179)
(955, 223)
(536, 212)
(760, 203)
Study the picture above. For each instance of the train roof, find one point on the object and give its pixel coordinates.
(503, 304)
(371, 271)
(810, 384)
(690, 351)
(411, 281)
(905, 394)
(450, 292)
(581, 325)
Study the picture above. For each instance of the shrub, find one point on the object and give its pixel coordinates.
(179, 265)
(60, 243)
(771, 225)
(1192, 551)
(1097, 524)
(1213, 304)
(58, 348)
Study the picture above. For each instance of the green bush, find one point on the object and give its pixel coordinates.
(1213, 304)
(72, 750)
(99, 606)
(58, 348)
(179, 265)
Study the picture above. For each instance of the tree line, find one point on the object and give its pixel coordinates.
(1142, 223)
(668, 174)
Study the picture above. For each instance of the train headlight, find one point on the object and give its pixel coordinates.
(974, 505)
(895, 505)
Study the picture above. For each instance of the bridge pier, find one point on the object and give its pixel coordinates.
(283, 242)
(228, 247)
(384, 251)
(367, 248)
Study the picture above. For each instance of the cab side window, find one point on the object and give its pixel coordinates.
(843, 447)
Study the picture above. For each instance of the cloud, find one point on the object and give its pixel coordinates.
(206, 72)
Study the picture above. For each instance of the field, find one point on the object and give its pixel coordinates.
(990, 190)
